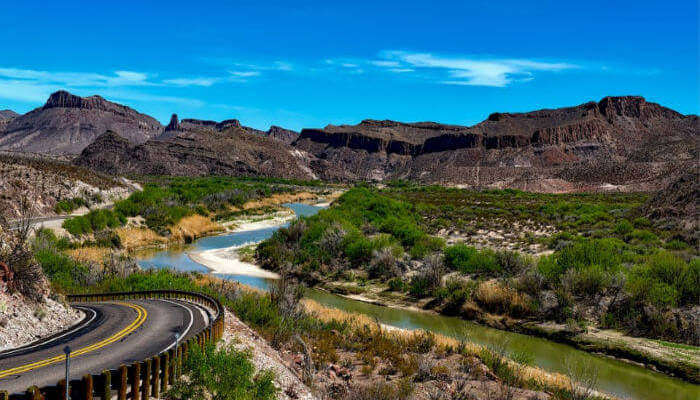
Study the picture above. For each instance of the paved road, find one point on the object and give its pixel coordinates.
(113, 333)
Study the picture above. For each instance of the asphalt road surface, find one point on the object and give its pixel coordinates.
(113, 333)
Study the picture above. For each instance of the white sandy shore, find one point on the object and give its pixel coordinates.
(226, 261)
(252, 224)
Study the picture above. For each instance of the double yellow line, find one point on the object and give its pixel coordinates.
(140, 319)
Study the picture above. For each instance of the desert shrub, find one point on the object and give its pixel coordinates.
(511, 262)
(500, 298)
(429, 277)
(66, 206)
(223, 374)
(606, 255)
(426, 245)
(467, 259)
(383, 263)
(666, 280)
(623, 227)
(95, 220)
(586, 281)
(397, 285)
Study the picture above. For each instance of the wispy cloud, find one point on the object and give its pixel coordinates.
(28, 85)
(206, 82)
(244, 74)
(469, 70)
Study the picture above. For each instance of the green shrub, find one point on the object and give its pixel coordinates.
(623, 227)
(468, 260)
(223, 374)
(666, 280)
(95, 220)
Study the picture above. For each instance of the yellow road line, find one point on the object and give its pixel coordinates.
(140, 319)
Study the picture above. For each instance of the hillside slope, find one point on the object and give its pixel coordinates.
(189, 149)
(66, 124)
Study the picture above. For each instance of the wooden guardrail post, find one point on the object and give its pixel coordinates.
(62, 389)
(33, 393)
(4, 395)
(147, 379)
(156, 377)
(165, 368)
(87, 387)
(123, 375)
(105, 390)
(136, 381)
(173, 366)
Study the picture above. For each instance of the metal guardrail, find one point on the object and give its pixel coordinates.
(142, 379)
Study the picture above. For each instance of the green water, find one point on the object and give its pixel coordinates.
(615, 377)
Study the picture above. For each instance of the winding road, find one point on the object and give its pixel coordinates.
(112, 333)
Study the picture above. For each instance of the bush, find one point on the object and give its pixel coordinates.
(467, 260)
(223, 374)
(95, 220)
(666, 280)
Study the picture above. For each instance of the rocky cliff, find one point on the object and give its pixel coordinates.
(618, 143)
(66, 124)
(177, 127)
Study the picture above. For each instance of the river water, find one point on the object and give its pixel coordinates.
(616, 377)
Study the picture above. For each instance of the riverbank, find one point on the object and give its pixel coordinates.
(677, 360)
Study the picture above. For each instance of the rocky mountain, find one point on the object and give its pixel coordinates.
(618, 143)
(66, 124)
(7, 114)
(196, 148)
(5, 117)
(275, 132)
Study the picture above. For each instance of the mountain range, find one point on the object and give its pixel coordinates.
(618, 143)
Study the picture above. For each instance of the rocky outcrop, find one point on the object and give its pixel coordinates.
(677, 205)
(5, 117)
(283, 135)
(618, 143)
(66, 124)
(196, 149)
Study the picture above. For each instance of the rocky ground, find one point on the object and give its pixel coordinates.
(44, 182)
(23, 321)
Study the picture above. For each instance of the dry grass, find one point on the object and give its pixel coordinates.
(89, 254)
(192, 227)
(527, 373)
(497, 297)
(279, 198)
(133, 238)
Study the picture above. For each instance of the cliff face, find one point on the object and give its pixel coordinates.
(66, 124)
(622, 143)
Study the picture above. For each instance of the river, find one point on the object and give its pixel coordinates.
(616, 377)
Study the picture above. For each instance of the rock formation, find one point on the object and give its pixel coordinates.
(196, 148)
(66, 124)
(619, 143)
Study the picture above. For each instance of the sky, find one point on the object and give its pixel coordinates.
(312, 63)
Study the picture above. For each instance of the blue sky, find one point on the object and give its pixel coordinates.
(311, 63)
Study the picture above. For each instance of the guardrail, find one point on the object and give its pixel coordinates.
(142, 379)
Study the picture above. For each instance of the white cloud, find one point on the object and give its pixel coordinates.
(206, 82)
(473, 71)
(383, 63)
(244, 74)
